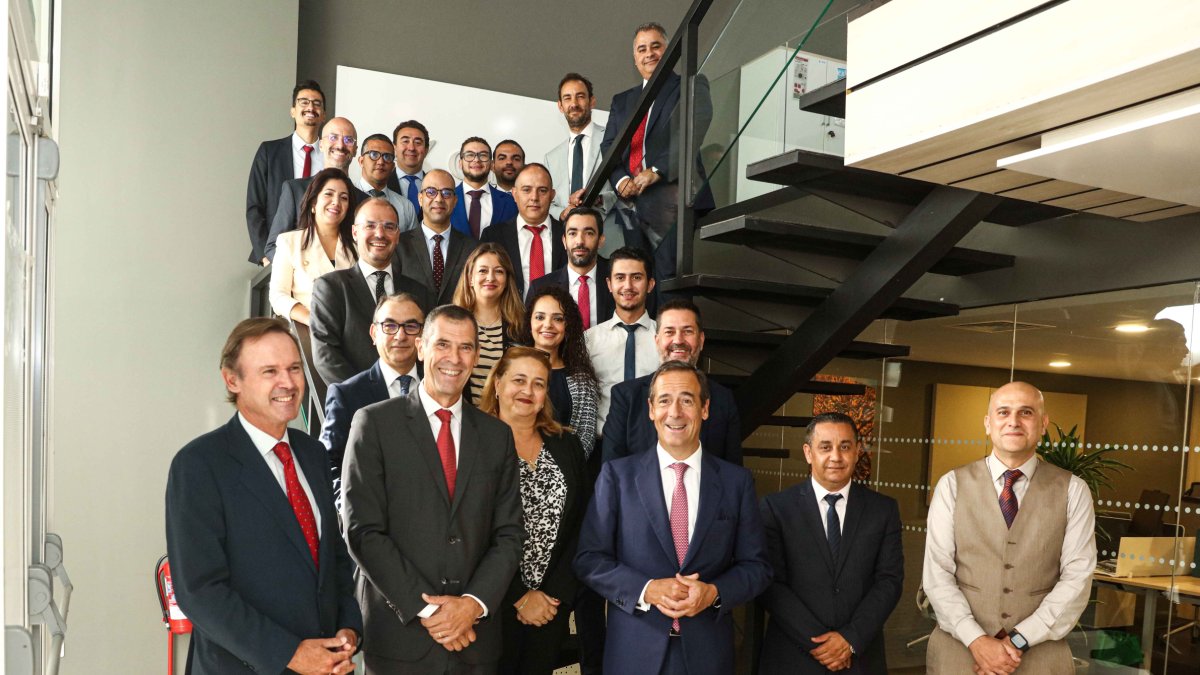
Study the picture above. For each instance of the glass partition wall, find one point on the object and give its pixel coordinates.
(1117, 371)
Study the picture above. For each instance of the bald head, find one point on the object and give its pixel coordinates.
(339, 143)
(1015, 421)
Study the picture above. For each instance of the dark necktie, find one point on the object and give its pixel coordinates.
(833, 524)
(630, 349)
(537, 254)
(1008, 498)
(585, 302)
(307, 171)
(577, 165)
(405, 382)
(376, 193)
(439, 262)
(299, 501)
(380, 290)
(475, 213)
(636, 149)
(445, 445)
(679, 521)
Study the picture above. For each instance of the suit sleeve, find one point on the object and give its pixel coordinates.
(326, 321)
(283, 274)
(495, 570)
(616, 425)
(596, 562)
(888, 582)
(616, 120)
(334, 434)
(256, 204)
(285, 218)
(787, 610)
(364, 512)
(195, 516)
(749, 573)
(560, 581)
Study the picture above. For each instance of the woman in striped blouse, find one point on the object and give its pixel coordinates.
(488, 289)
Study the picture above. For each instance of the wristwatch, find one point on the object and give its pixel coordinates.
(1018, 641)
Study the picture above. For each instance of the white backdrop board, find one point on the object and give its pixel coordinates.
(376, 102)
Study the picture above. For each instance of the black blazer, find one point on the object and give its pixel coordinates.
(604, 298)
(415, 261)
(343, 305)
(559, 581)
(287, 215)
(628, 429)
(505, 234)
(812, 593)
(409, 537)
(271, 167)
(241, 569)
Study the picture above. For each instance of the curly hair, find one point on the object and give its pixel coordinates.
(573, 348)
(510, 301)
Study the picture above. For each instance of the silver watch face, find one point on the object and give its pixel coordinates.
(1019, 640)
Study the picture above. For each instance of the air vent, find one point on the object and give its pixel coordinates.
(999, 326)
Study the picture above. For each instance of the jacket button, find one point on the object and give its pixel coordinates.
(1005, 615)
(1008, 566)
(1008, 590)
(453, 540)
(443, 581)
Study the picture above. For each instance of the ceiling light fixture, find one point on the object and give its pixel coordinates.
(1060, 364)
(1132, 328)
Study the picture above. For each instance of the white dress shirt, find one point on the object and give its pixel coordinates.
(823, 505)
(265, 444)
(405, 213)
(444, 244)
(391, 377)
(368, 272)
(691, 483)
(606, 344)
(431, 408)
(525, 244)
(1060, 609)
(589, 140)
(485, 204)
(593, 291)
(402, 179)
(318, 160)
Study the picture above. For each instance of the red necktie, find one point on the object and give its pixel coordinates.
(300, 504)
(445, 443)
(585, 302)
(439, 262)
(537, 254)
(307, 162)
(679, 521)
(635, 150)
(1008, 498)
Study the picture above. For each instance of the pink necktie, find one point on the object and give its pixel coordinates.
(300, 504)
(445, 445)
(537, 254)
(679, 521)
(585, 303)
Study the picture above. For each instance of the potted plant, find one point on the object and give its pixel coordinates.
(1093, 467)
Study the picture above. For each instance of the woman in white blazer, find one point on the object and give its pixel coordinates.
(322, 242)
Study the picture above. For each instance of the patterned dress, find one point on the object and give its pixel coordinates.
(543, 498)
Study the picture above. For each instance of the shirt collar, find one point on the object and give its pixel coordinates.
(589, 132)
(521, 223)
(367, 187)
(390, 374)
(997, 468)
(298, 143)
(487, 189)
(263, 442)
(820, 491)
(665, 459)
(573, 277)
(400, 175)
(429, 233)
(431, 406)
(367, 270)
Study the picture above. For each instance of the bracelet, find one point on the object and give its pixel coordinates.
(523, 605)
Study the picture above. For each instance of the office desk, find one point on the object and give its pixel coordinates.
(1183, 588)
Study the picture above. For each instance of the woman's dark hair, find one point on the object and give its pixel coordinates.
(573, 348)
(307, 222)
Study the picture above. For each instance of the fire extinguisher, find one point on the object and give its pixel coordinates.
(173, 618)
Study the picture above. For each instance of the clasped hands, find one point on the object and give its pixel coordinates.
(452, 625)
(834, 651)
(325, 656)
(993, 656)
(636, 184)
(535, 608)
(681, 596)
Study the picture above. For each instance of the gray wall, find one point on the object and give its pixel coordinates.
(161, 109)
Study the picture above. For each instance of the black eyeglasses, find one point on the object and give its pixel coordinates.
(316, 104)
(375, 155)
(472, 156)
(391, 327)
(432, 192)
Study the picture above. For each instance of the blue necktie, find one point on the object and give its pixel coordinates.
(833, 524)
(630, 349)
(577, 165)
(405, 383)
(412, 191)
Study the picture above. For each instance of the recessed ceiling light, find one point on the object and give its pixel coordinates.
(1060, 364)
(1132, 328)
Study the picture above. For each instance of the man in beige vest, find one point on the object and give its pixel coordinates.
(1010, 551)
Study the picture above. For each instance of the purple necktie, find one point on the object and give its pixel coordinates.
(475, 212)
(1008, 498)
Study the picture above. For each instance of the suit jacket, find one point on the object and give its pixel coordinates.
(626, 541)
(343, 306)
(812, 593)
(409, 537)
(271, 167)
(558, 162)
(294, 270)
(288, 212)
(628, 429)
(415, 261)
(241, 569)
(505, 234)
(504, 208)
(604, 298)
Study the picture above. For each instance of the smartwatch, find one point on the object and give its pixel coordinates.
(1018, 641)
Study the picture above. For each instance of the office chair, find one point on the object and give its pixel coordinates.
(1146, 521)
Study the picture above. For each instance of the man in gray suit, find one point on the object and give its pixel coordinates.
(434, 525)
(419, 259)
(572, 162)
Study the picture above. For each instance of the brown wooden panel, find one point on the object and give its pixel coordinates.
(1051, 189)
(1090, 200)
(1129, 208)
(1181, 210)
(974, 164)
(998, 181)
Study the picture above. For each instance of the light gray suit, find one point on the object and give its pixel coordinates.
(558, 161)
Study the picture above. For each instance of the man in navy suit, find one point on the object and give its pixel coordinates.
(532, 231)
(257, 561)
(586, 272)
(480, 204)
(679, 336)
(394, 329)
(839, 565)
(649, 171)
(411, 139)
(280, 160)
(672, 539)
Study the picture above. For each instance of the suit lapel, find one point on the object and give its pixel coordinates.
(666, 100)
(811, 516)
(468, 452)
(650, 492)
(711, 493)
(375, 377)
(261, 483)
(558, 254)
(322, 494)
(282, 160)
(417, 249)
(854, 516)
(425, 445)
(590, 163)
(604, 301)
